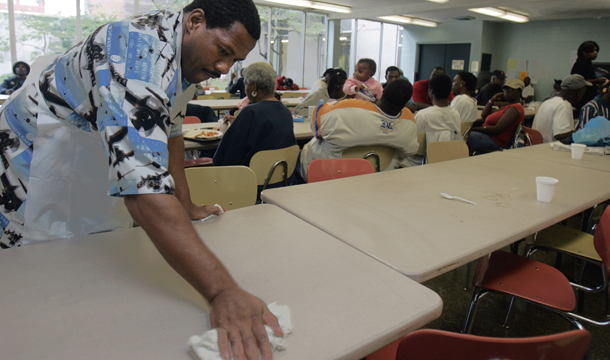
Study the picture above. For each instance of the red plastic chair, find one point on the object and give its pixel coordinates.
(440, 345)
(191, 120)
(532, 137)
(329, 169)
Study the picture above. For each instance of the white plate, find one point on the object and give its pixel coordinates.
(196, 134)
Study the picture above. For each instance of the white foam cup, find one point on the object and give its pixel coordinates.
(545, 188)
(577, 151)
(312, 110)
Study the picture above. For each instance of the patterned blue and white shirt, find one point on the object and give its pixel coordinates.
(121, 83)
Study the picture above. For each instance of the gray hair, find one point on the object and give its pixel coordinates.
(261, 74)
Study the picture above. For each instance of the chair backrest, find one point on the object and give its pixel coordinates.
(378, 155)
(328, 169)
(206, 97)
(267, 164)
(191, 120)
(432, 344)
(465, 129)
(230, 186)
(421, 139)
(601, 239)
(532, 137)
(292, 94)
(446, 150)
(515, 139)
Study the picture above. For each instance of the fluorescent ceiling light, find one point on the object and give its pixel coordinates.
(489, 11)
(439, 1)
(397, 18)
(331, 7)
(424, 23)
(314, 5)
(301, 3)
(343, 38)
(515, 17)
(502, 14)
(284, 41)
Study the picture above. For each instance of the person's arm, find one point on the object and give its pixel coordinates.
(238, 315)
(489, 106)
(175, 146)
(510, 116)
(6, 86)
(563, 123)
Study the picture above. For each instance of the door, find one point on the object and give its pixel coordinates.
(433, 55)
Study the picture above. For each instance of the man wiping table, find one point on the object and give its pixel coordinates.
(103, 122)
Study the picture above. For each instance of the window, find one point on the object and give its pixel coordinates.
(286, 43)
(315, 48)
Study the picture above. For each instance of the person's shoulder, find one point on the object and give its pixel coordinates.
(420, 84)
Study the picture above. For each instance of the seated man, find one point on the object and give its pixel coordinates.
(554, 117)
(441, 122)
(494, 87)
(420, 90)
(350, 123)
(394, 73)
(10, 84)
(599, 106)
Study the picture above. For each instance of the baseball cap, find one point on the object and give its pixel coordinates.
(514, 84)
(499, 73)
(574, 82)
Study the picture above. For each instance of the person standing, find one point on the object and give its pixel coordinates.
(587, 52)
(9, 85)
(94, 138)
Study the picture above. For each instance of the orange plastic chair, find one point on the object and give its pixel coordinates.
(432, 344)
(191, 120)
(329, 169)
(527, 279)
(532, 137)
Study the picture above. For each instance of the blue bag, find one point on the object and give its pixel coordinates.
(595, 133)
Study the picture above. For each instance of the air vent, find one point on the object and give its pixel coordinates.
(464, 18)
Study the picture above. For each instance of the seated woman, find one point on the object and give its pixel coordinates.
(265, 124)
(499, 127)
(333, 91)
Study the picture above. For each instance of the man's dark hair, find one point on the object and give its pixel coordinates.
(336, 81)
(390, 69)
(587, 47)
(439, 68)
(370, 63)
(222, 14)
(440, 86)
(21, 63)
(398, 92)
(469, 79)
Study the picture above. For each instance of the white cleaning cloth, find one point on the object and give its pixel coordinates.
(205, 347)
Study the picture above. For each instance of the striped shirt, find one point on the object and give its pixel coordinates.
(594, 108)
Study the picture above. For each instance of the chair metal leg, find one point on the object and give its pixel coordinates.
(467, 276)
(477, 294)
(510, 308)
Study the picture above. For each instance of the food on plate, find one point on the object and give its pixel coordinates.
(208, 133)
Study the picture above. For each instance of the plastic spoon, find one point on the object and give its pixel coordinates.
(447, 196)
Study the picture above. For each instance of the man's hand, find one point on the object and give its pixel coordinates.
(359, 87)
(240, 319)
(9, 91)
(202, 211)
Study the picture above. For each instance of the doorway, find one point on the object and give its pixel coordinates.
(432, 55)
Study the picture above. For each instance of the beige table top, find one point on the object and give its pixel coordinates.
(544, 152)
(399, 217)
(112, 296)
(3, 98)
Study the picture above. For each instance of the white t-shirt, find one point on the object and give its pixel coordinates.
(319, 84)
(553, 117)
(466, 106)
(527, 92)
(439, 123)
